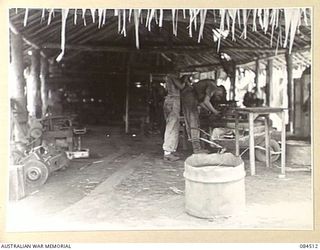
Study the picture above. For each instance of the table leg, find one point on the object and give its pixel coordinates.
(283, 144)
(237, 135)
(267, 140)
(251, 144)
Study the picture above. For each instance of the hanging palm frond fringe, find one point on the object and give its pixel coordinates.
(265, 18)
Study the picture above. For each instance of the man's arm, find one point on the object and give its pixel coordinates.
(208, 106)
(209, 91)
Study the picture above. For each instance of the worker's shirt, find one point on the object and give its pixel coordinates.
(204, 88)
(173, 91)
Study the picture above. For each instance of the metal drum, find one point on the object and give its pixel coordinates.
(298, 153)
(214, 185)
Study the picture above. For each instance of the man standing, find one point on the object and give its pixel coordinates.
(171, 108)
(193, 96)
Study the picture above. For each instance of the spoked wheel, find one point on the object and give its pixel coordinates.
(274, 152)
(36, 173)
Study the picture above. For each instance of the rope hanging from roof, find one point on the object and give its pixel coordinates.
(265, 18)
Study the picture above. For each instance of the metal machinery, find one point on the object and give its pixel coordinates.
(221, 133)
(78, 151)
(62, 132)
(47, 146)
(35, 152)
(39, 147)
(58, 131)
(40, 162)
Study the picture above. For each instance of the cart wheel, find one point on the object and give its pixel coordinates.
(36, 173)
(274, 147)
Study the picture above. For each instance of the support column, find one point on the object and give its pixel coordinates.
(237, 133)
(17, 87)
(283, 144)
(269, 82)
(251, 144)
(290, 90)
(127, 95)
(233, 83)
(33, 85)
(44, 69)
(256, 78)
(16, 77)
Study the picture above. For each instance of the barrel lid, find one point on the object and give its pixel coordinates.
(214, 168)
(203, 160)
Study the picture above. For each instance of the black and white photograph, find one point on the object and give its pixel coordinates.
(160, 119)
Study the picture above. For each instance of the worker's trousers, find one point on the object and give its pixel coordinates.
(192, 121)
(171, 108)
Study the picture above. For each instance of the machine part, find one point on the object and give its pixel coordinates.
(35, 172)
(35, 132)
(274, 152)
(57, 162)
(78, 132)
(16, 156)
(83, 153)
(60, 138)
(64, 161)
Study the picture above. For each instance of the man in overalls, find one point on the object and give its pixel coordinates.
(171, 108)
(192, 96)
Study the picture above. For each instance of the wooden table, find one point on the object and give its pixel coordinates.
(253, 113)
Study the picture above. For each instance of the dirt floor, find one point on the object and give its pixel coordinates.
(125, 184)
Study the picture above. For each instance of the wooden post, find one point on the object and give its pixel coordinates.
(283, 144)
(233, 83)
(237, 134)
(16, 77)
(256, 78)
(290, 89)
(127, 95)
(43, 79)
(251, 144)
(17, 82)
(267, 139)
(269, 82)
(33, 84)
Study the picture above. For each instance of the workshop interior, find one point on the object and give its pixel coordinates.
(89, 91)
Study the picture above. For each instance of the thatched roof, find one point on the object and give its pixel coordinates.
(190, 39)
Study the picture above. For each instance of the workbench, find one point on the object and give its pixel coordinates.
(252, 114)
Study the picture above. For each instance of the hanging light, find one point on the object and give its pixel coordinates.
(225, 56)
(138, 84)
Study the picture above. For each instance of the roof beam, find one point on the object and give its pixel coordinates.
(149, 49)
(26, 40)
(282, 52)
(161, 49)
(199, 67)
